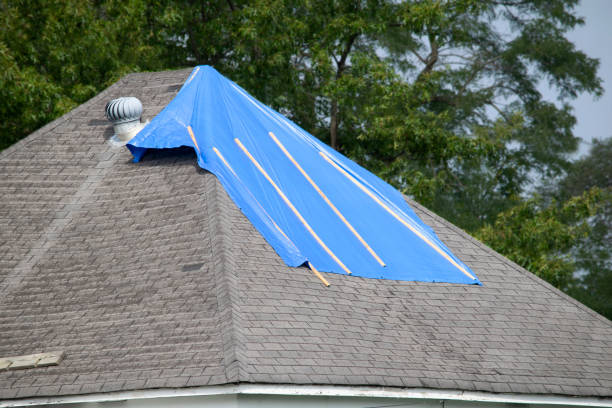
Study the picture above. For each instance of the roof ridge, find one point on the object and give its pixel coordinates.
(146, 73)
(225, 276)
(509, 262)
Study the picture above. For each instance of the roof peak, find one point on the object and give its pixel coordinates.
(313, 205)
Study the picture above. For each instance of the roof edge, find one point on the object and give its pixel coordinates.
(163, 71)
(509, 262)
(317, 391)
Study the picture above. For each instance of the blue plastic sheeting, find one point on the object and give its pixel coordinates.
(309, 202)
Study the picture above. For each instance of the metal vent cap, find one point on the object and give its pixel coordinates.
(125, 109)
(125, 114)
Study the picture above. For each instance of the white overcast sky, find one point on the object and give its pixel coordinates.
(595, 39)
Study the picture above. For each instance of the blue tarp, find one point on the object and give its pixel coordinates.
(309, 202)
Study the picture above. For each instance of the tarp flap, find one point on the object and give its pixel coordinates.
(309, 202)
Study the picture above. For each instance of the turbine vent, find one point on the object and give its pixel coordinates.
(124, 113)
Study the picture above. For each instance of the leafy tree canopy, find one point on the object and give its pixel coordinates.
(56, 54)
(592, 254)
(540, 236)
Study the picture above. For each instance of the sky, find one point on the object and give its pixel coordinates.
(594, 116)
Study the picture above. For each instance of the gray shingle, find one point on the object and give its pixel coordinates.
(147, 276)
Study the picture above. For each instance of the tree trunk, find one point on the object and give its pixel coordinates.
(333, 125)
(340, 66)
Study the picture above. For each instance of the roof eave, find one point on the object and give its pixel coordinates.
(289, 390)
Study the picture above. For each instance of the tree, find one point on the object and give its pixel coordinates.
(56, 54)
(565, 235)
(438, 97)
(593, 255)
(541, 236)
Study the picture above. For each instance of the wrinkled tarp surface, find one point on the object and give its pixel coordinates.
(309, 202)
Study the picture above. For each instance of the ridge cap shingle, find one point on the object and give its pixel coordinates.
(226, 279)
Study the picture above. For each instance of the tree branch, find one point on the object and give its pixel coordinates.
(501, 113)
(418, 56)
(476, 70)
(432, 58)
(340, 66)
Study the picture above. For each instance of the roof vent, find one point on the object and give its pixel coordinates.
(125, 114)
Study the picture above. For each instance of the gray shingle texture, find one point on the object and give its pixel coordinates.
(148, 276)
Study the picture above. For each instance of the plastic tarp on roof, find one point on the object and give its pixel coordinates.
(312, 204)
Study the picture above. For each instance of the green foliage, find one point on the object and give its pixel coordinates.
(56, 54)
(29, 99)
(438, 97)
(565, 237)
(540, 236)
(593, 254)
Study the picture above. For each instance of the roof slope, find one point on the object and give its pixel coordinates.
(147, 275)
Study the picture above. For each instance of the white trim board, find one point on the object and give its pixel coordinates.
(311, 390)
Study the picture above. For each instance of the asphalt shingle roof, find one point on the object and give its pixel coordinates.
(148, 276)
